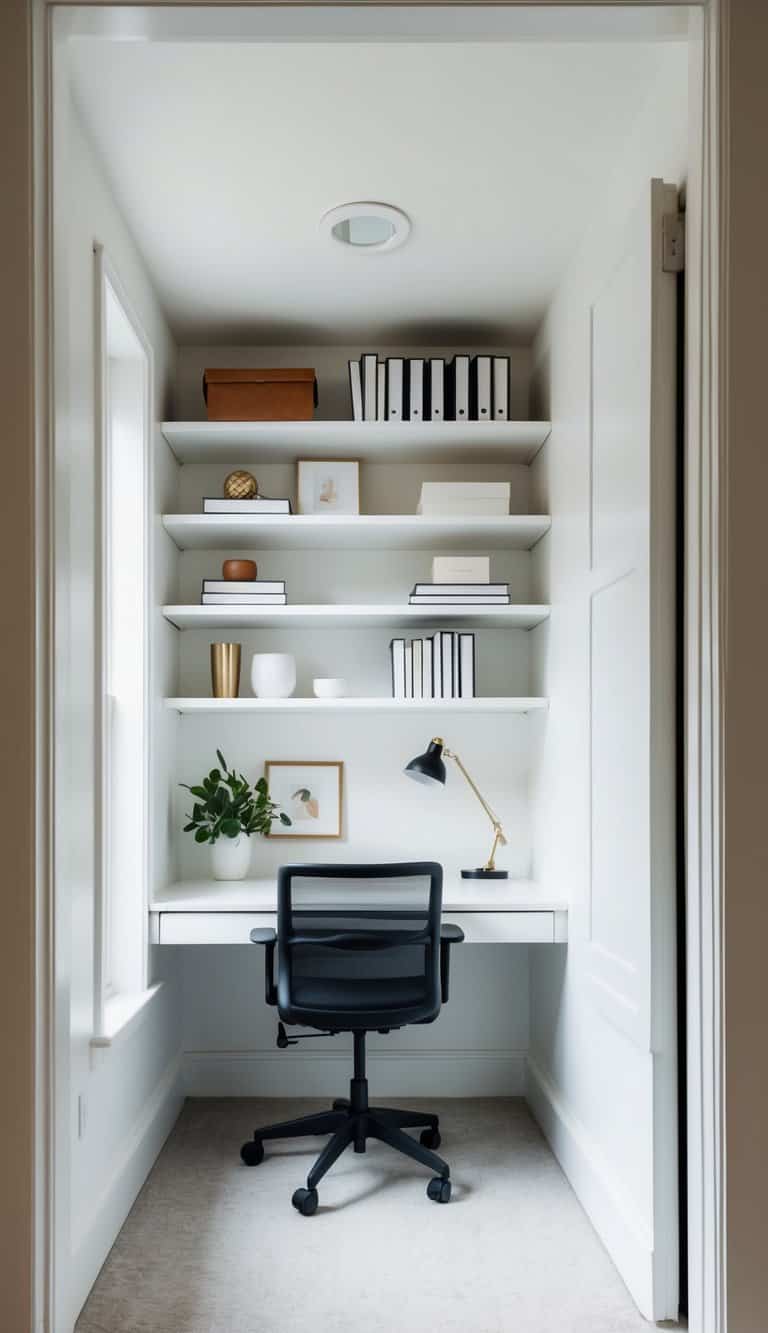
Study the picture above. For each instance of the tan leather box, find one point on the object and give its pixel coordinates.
(260, 395)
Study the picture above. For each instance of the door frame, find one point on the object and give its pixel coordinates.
(706, 547)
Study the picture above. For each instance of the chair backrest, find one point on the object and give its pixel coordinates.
(359, 945)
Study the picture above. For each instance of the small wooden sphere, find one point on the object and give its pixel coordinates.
(240, 485)
(241, 570)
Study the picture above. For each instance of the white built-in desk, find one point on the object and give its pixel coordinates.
(504, 912)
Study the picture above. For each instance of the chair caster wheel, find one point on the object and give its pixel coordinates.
(252, 1152)
(439, 1189)
(430, 1138)
(305, 1202)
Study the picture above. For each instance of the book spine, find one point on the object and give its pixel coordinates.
(381, 391)
(501, 388)
(480, 389)
(416, 389)
(437, 665)
(417, 649)
(212, 505)
(395, 388)
(243, 599)
(370, 380)
(467, 665)
(397, 654)
(446, 643)
(409, 671)
(426, 667)
(434, 408)
(456, 667)
(460, 589)
(416, 600)
(356, 390)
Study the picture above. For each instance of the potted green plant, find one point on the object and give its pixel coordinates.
(226, 812)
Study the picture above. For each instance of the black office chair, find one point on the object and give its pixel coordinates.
(372, 966)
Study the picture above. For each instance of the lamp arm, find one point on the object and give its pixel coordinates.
(500, 836)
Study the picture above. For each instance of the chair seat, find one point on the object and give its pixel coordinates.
(364, 994)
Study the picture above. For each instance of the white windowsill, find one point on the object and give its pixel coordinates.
(123, 1014)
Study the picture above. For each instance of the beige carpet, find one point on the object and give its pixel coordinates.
(212, 1246)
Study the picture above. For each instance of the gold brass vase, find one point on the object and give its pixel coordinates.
(225, 670)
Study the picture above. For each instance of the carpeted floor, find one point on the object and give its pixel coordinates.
(212, 1246)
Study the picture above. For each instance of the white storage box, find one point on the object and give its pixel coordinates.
(472, 498)
(461, 569)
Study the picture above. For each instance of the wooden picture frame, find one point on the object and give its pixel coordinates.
(314, 808)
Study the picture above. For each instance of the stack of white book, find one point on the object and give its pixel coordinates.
(440, 667)
(468, 499)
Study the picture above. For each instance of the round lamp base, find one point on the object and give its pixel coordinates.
(485, 874)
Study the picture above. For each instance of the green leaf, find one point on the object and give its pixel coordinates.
(215, 776)
(222, 760)
(199, 792)
(202, 835)
(189, 827)
(284, 818)
(231, 828)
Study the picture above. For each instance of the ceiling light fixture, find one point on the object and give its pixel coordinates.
(368, 227)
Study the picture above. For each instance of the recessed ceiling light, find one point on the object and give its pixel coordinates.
(367, 227)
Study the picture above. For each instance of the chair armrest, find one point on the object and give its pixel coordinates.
(449, 934)
(268, 937)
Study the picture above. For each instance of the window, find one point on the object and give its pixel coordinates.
(122, 669)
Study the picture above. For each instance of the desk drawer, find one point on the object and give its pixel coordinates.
(505, 927)
(212, 927)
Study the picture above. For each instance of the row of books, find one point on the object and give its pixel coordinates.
(440, 667)
(260, 504)
(460, 594)
(246, 592)
(429, 389)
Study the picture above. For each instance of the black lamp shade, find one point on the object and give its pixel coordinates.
(428, 767)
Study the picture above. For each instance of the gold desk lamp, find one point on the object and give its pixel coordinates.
(428, 768)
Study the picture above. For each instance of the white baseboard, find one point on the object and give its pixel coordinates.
(462, 1073)
(623, 1232)
(131, 1168)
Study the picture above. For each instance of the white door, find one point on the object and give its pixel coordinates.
(631, 946)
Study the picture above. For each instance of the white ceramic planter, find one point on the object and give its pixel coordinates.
(231, 857)
(273, 675)
(329, 687)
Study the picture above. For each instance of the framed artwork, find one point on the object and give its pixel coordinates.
(328, 487)
(310, 793)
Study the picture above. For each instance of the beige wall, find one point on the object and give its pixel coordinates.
(16, 673)
(746, 652)
(746, 722)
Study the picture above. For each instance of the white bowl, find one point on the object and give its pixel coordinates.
(329, 687)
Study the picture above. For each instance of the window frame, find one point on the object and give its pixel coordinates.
(107, 990)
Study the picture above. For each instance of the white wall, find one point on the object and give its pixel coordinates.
(589, 1085)
(130, 1092)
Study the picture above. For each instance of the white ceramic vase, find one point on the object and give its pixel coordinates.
(231, 857)
(273, 675)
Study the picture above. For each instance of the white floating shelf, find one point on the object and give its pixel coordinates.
(354, 617)
(354, 705)
(260, 895)
(375, 441)
(371, 532)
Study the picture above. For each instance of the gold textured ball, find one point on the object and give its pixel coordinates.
(240, 486)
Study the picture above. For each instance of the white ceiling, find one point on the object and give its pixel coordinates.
(223, 157)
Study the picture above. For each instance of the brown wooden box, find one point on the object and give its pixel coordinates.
(260, 395)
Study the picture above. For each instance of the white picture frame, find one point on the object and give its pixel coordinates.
(310, 792)
(328, 486)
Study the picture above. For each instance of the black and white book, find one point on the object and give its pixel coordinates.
(426, 670)
(409, 670)
(370, 377)
(381, 391)
(466, 666)
(501, 388)
(480, 388)
(434, 396)
(417, 651)
(457, 389)
(397, 652)
(446, 651)
(476, 599)
(260, 504)
(244, 585)
(356, 390)
(243, 599)
(415, 388)
(437, 665)
(448, 589)
(394, 388)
